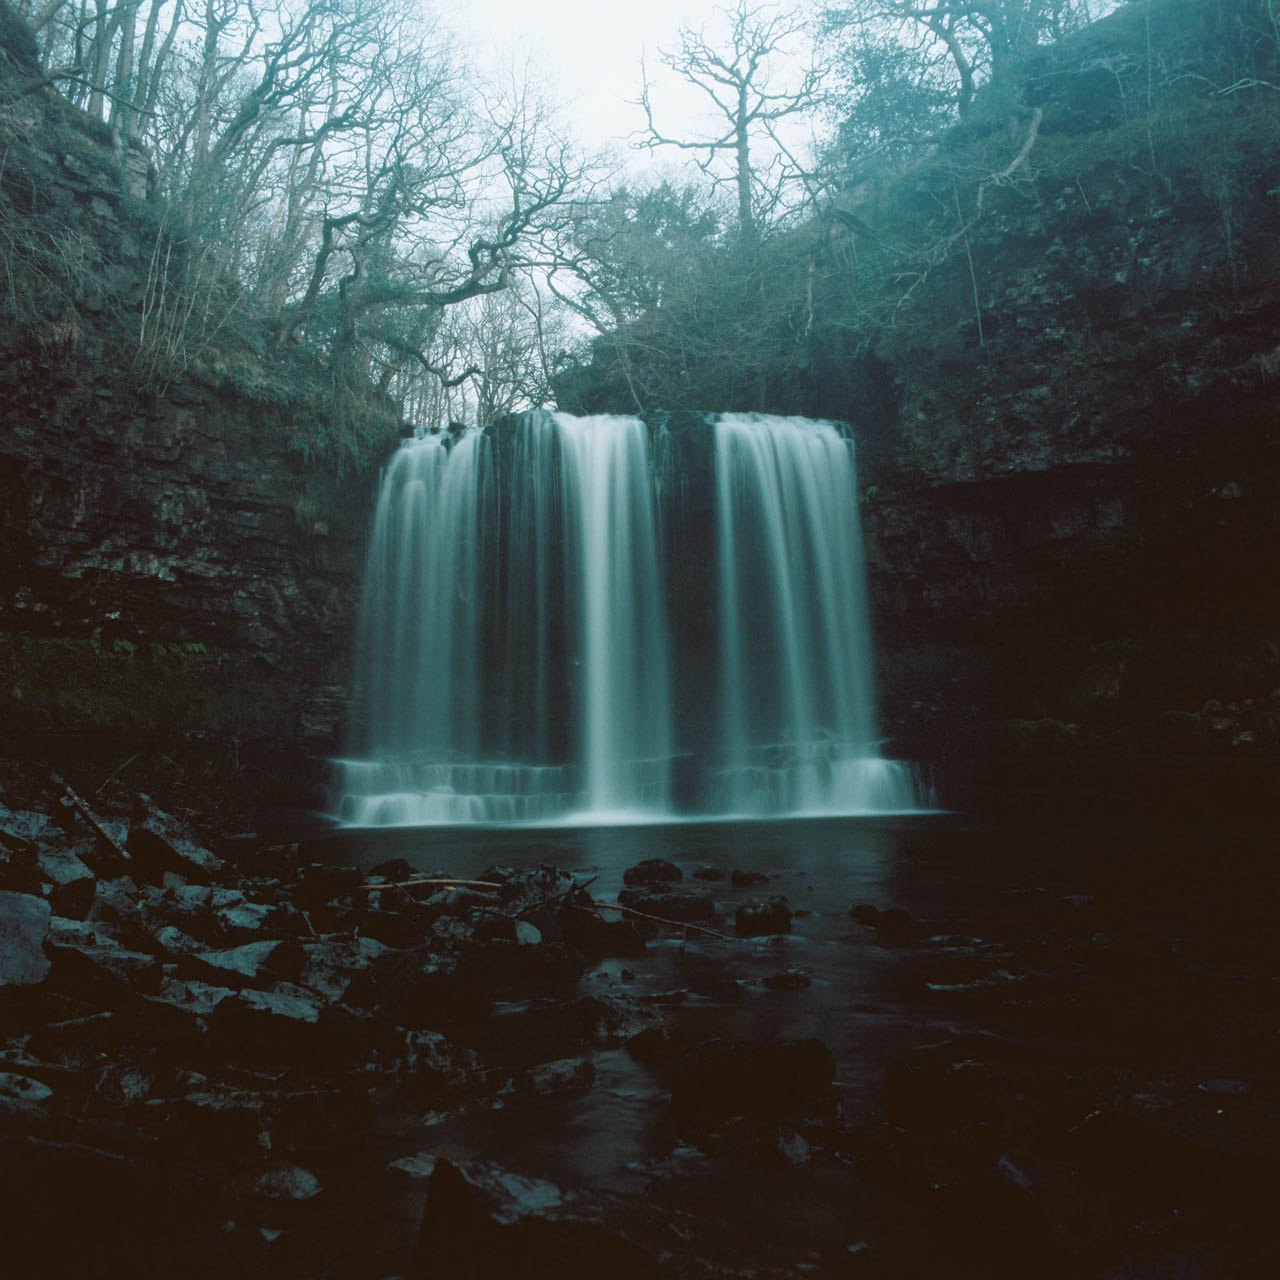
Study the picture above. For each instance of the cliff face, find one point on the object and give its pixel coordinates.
(1071, 455)
(175, 580)
(182, 520)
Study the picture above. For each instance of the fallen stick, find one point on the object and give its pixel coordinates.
(117, 771)
(453, 884)
(644, 915)
(82, 808)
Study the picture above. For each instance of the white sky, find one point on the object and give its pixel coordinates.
(589, 52)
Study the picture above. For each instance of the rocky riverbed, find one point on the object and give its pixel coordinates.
(262, 1061)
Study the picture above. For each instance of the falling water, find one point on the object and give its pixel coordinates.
(610, 530)
(524, 653)
(797, 689)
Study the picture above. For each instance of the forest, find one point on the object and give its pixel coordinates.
(337, 205)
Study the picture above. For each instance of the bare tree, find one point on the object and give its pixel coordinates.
(740, 78)
(966, 41)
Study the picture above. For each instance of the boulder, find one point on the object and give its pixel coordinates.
(153, 852)
(24, 922)
(105, 971)
(893, 922)
(331, 963)
(762, 916)
(73, 884)
(22, 829)
(711, 872)
(585, 929)
(652, 871)
(680, 908)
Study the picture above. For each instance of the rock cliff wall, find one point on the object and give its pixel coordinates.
(177, 583)
(1071, 455)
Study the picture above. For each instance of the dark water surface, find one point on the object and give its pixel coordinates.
(1211, 887)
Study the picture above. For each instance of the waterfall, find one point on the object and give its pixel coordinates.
(536, 640)
(610, 532)
(797, 686)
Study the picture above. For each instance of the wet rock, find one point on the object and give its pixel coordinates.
(584, 928)
(708, 872)
(597, 937)
(153, 853)
(495, 927)
(24, 1088)
(680, 908)
(893, 922)
(527, 934)
(394, 870)
(104, 971)
(191, 996)
(762, 916)
(452, 930)
(610, 1019)
(747, 879)
(568, 1076)
(788, 980)
(75, 1042)
(283, 1023)
(322, 883)
(416, 988)
(73, 884)
(174, 942)
(25, 1104)
(421, 1164)
(243, 921)
(230, 1125)
(522, 888)
(720, 1078)
(661, 1046)
(483, 1220)
(434, 1069)
(116, 904)
(389, 915)
(652, 871)
(254, 964)
(332, 963)
(677, 995)
(24, 922)
(287, 1182)
(22, 829)
(753, 1141)
(125, 1084)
